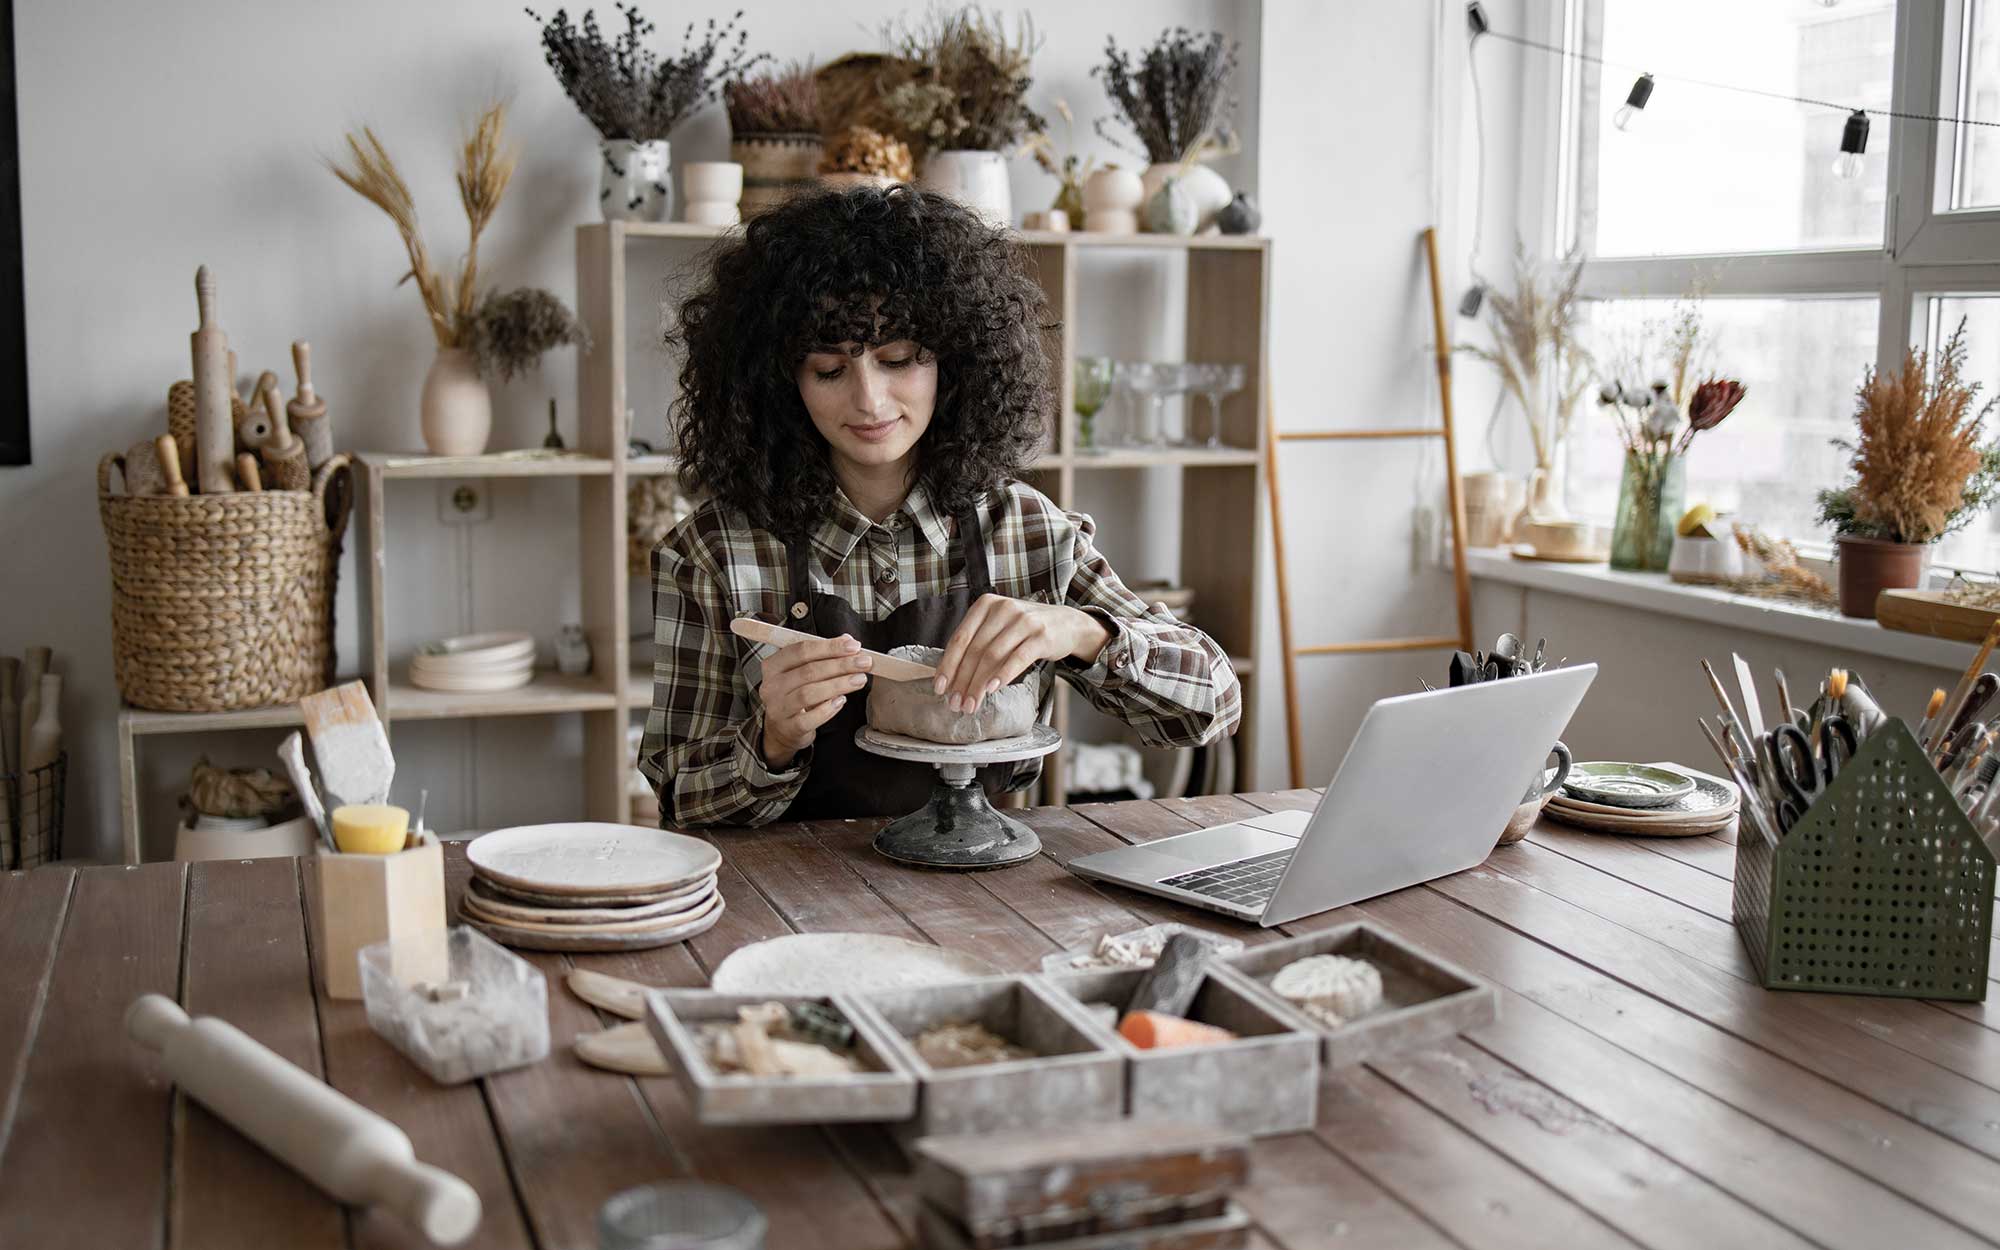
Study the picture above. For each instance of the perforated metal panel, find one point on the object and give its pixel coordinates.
(1882, 888)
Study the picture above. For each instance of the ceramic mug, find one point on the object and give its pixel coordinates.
(1540, 791)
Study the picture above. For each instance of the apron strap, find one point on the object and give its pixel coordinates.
(978, 580)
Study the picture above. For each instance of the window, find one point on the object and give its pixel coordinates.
(1809, 278)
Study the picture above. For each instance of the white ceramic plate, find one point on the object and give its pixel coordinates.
(419, 664)
(480, 648)
(539, 898)
(829, 963)
(479, 897)
(591, 858)
(483, 683)
(535, 940)
(469, 906)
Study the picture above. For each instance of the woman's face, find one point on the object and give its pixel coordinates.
(871, 407)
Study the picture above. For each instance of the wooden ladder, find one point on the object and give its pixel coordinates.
(1462, 640)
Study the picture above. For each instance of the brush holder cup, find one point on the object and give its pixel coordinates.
(366, 899)
(1882, 887)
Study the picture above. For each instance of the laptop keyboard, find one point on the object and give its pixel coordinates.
(1245, 882)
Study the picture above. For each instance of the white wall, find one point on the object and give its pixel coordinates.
(155, 137)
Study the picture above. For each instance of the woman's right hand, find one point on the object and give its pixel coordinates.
(804, 685)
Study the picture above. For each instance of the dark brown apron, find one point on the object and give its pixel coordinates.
(844, 781)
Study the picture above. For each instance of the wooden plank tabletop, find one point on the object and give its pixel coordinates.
(1638, 1090)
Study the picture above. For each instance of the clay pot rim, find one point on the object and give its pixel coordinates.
(1856, 540)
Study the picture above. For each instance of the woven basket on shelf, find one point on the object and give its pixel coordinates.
(221, 602)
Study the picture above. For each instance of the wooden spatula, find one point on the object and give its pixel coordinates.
(886, 666)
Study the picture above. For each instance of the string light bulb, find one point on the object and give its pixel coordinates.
(1635, 102)
(1853, 142)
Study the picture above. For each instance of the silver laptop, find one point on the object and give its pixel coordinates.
(1426, 788)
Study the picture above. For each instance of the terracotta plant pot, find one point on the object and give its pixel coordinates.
(1869, 566)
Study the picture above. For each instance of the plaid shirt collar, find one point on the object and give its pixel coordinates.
(846, 525)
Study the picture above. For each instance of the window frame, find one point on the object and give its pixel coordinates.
(1928, 250)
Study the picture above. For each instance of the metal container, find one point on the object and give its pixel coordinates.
(887, 1091)
(1424, 999)
(1075, 1078)
(1264, 1082)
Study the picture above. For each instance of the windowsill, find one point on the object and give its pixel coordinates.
(1655, 592)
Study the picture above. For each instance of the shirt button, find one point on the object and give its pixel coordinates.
(887, 577)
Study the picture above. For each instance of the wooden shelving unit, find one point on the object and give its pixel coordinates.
(1227, 303)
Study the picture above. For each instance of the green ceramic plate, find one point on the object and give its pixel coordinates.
(1627, 785)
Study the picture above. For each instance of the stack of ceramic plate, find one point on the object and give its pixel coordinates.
(475, 663)
(1676, 802)
(590, 887)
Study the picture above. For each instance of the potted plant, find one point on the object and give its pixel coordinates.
(502, 334)
(774, 132)
(864, 157)
(635, 100)
(1656, 440)
(1176, 99)
(1920, 473)
(1069, 169)
(961, 102)
(1546, 371)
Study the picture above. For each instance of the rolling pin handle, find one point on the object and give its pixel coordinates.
(204, 296)
(153, 1019)
(443, 1206)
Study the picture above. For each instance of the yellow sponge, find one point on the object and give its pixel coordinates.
(370, 828)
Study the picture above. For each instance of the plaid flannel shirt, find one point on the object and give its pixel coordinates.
(703, 744)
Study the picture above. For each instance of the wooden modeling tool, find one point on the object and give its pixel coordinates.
(292, 752)
(888, 667)
(247, 475)
(307, 411)
(1963, 689)
(214, 388)
(167, 454)
(350, 1152)
(284, 452)
(1746, 681)
(355, 764)
(180, 424)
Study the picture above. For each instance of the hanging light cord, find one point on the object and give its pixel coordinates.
(1479, 164)
(1538, 45)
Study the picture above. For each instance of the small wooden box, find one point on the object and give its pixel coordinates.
(887, 1092)
(1424, 999)
(365, 899)
(1074, 1078)
(1264, 1082)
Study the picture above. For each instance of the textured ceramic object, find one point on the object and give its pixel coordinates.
(1239, 216)
(775, 167)
(1170, 210)
(975, 179)
(914, 710)
(457, 409)
(1205, 188)
(1617, 784)
(632, 180)
(1111, 199)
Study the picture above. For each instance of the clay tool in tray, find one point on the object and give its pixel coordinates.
(886, 666)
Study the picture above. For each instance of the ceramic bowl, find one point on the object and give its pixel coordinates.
(1617, 784)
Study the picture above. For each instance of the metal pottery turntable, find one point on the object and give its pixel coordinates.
(958, 828)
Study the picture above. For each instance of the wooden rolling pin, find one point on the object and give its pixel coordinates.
(214, 431)
(284, 452)
(889, 667)
(247, 474)
(180, 424)
(167, 452)
(345, 1149)
(308, 411)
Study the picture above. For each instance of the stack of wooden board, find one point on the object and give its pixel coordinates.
(590, 887)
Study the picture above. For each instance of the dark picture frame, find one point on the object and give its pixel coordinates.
(13, 312)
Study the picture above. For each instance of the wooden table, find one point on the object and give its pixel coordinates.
(1638, 1089)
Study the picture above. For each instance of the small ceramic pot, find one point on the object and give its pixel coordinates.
(632, 180)
(705, 182)
(1869, 566)
(1239, 216)
(1540, 791)
(1206, 190)
(1111, 199)
(1171, 210)
(975, 179)
(775, 166)
(457, 409)
(1705, 561)
(1055, 221)
(711, 213)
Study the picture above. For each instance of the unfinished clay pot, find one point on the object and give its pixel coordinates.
(911, 709)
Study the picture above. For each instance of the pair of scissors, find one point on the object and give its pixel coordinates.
(1803, 774)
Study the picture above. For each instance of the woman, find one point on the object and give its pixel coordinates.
(864, 380)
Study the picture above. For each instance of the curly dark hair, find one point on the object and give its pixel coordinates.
(865, 266)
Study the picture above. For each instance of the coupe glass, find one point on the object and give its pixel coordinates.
(1152, 383)
(1093, 387)
(1217, 381)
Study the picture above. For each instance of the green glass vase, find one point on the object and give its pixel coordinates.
(1650, 500)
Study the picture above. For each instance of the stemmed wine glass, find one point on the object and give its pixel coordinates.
(1093, 387)
(1216, 381)
(1152, 382)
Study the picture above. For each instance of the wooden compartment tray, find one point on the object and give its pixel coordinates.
(1074, 1078)
(1264, 1082)
(888, 1091)
(1424, 999)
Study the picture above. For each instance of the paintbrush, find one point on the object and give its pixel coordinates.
(355, 764)
(1753, 799)
(1931, 711)
(1963, 690)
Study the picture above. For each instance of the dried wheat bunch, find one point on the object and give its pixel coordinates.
(1784, 577)
(1534, 329)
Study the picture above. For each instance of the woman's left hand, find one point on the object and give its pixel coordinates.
(1000, 637)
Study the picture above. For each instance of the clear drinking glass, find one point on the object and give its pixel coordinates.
(1216, 382)
(1152, 383)
(1093, 387)
(680, 1215)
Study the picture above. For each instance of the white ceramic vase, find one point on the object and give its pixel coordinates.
(977, 180)
(457, 408)
(710, 191)
(632, 180)
(1206, 188)
(1111, 199)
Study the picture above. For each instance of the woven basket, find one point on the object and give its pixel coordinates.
(220, 602)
